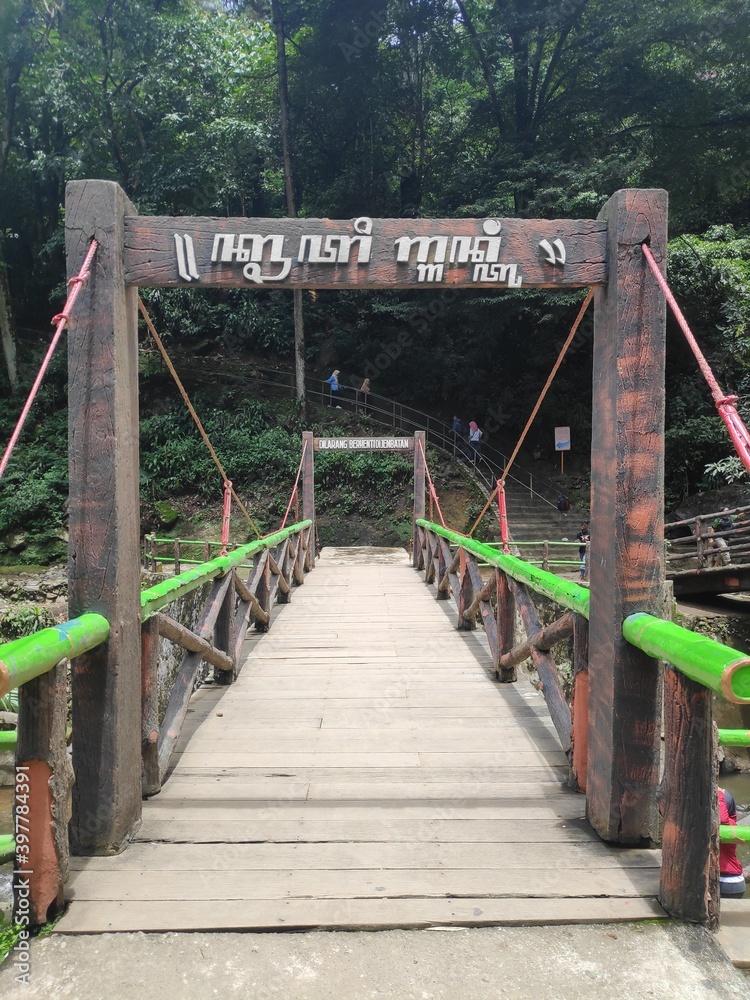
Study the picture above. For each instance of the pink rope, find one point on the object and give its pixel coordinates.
(294, 488)
(724, 404)
(502, 514)
(61, 320)
(433, 494)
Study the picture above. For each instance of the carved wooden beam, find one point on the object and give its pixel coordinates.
(364, 253)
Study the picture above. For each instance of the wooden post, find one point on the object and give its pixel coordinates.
(579, 705)
(104, 531)
(689, 884)
(224, 634)
(419, 483)
(308, 495)
(466, 592)
(43, 780)
(627, 495)
(506, 627)
(150, 706)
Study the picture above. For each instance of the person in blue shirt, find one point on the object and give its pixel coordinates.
(333, 381)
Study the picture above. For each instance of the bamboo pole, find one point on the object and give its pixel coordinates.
(716, 666)
(24, 659)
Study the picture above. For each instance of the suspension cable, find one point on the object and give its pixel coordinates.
(725, 404)
(433, 493)
(61, 319)
(486, 507)
(193, 414)
(548, 383)
(296, 484)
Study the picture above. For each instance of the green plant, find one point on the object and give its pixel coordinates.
(9, 935)
(727, 471)
(18, 622)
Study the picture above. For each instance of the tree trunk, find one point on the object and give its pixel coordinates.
(7, 332)
(291, 206)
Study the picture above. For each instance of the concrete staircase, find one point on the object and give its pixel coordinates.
(531, 518)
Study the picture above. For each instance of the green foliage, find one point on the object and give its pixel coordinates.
(9, 936)
(726, 471)
(18, 622)
(9, 702)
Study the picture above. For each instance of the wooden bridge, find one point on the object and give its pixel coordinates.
(365, 770)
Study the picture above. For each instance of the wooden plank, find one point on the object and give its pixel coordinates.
(360, 914)
(364, 883)
(386, 763)
(103, 525)
(561, 811)
(626, 552)
(337, 856)
(545, 666)
(152, 245)
(201, 830)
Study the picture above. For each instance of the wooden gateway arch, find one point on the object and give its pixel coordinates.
(627, 552)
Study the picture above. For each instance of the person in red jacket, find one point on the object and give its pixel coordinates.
(731, 877)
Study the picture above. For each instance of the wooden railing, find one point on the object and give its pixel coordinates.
(694, 666)
(276, 564)
(698, 543)
(37, 664)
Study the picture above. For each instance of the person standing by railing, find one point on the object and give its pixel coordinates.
(333, 381)
(475, 437)
(584, 537)
(364, 392)
(731, 877)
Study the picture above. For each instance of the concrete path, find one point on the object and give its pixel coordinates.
(658, 961)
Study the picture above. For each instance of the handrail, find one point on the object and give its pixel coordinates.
(36, 654)
(155, 598)
(570, 595)
(710, 663)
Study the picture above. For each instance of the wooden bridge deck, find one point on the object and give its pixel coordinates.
(364, 771)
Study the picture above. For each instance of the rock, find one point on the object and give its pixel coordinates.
(55, 579)
(17, 543)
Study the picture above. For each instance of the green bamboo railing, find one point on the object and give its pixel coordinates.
(734, 737)
(570, 595)
(734, 834)
(712, 664)
(159, 596)
(36, 654)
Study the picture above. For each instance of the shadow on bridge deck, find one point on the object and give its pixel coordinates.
(364, 771)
